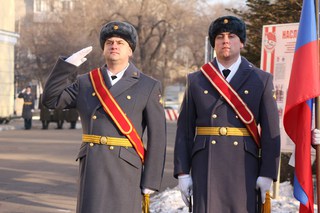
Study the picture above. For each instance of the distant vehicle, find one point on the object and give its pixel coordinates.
(57, 116)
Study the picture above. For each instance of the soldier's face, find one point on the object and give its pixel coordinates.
(227, 46)
(117, 50)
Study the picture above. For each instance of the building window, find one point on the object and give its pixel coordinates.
(67, 5)
(43, 6)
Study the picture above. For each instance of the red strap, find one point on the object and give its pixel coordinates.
(232, 97)
(112, 108)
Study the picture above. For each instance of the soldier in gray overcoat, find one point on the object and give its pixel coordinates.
(113, 177)
(215, 158)
(28, 106)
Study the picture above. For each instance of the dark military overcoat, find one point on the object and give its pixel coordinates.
(28, 105)
(224, 169)
(111, 179)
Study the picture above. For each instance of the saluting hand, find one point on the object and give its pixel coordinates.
(78, 58)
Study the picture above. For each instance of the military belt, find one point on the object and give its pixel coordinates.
(109, 141)
(222, 131)
(27, 103)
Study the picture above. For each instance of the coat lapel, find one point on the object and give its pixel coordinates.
(106, 77)
(238, 79)
(129, 78)
(241, 75)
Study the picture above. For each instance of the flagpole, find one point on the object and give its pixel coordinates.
(317, 118)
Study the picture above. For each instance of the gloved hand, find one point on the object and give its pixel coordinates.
(185, 187)
(147, 191)
(79, 57)
(264, 184)
(316, 137)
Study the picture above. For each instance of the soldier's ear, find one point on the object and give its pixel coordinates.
(130, 52)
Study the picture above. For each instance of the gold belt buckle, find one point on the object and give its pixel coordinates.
(223, 131)
(103, 140)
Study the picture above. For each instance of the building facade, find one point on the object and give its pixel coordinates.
(8, 39)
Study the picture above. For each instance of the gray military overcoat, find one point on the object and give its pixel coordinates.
(224, 169)
(111, 179)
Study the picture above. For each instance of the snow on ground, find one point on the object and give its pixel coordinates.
(169, 201)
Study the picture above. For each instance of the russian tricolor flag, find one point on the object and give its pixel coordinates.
(303, 87)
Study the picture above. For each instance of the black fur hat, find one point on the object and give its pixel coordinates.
(120, 29)
(227, 24)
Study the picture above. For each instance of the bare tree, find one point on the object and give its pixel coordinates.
(171, 35)
(164, 28)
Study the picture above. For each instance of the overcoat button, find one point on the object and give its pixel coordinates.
(91, 144)
(93, 94)
(128, 97)
(246, 92)
(213, 142)
(235, 143)
(94, 117)
(214, 116)
(205, 92)
(111, 148)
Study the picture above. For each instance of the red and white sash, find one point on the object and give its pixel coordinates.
(234, 100)
(112, 108)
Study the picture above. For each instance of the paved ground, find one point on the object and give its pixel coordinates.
(38, 171)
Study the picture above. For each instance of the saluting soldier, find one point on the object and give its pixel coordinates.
(28, 106)
(116, 103)
(220, 156)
